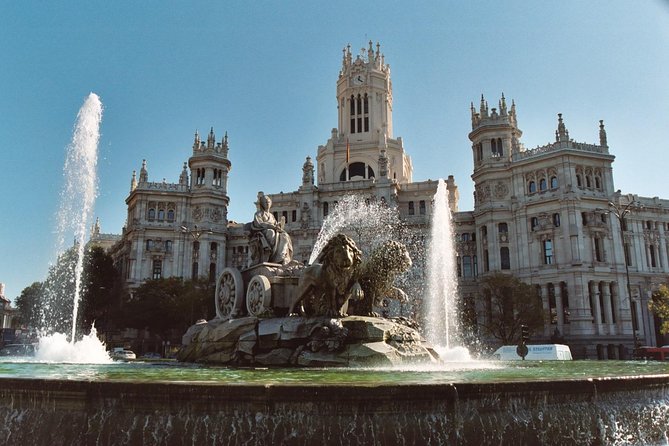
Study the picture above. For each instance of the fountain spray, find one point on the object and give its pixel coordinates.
(80, 189)
(441, 321)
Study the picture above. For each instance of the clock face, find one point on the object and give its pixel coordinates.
(358, 79)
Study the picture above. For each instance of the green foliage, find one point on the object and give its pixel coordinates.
(509, 303)
(49, 305)
(659, 305)
(28, 305)
(57, 301)
(165, 305)
(101, 291)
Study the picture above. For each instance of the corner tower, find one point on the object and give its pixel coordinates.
(362, 146)
(209, 166)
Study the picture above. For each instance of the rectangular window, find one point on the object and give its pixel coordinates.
(653, 262)
(467, 266)
(598, 249)
(294, 215)
(486, 261)
(157, 269)
(411, 209)
(421, 206)
(548, 252)
(505, 258)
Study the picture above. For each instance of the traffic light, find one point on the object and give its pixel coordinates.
(524, 333)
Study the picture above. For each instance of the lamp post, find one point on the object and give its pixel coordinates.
(621, 213)
(196, 233)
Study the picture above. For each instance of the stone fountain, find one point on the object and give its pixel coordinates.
(279, 312)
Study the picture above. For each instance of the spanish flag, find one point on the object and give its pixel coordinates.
(348, 151)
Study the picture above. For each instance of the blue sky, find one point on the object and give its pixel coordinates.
(265, 72)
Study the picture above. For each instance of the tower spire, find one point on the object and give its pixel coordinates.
(561, 134)
(602, 134)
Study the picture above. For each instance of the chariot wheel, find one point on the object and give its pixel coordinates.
(259, 296)
(229, 292)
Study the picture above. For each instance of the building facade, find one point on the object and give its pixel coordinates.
(542, 214)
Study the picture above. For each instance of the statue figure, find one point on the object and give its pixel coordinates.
(326, 286)
(376, 277)
(269, 241)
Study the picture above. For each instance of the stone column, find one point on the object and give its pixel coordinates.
(597, 310)
(547, 310)
(558, 305)
(608, 310)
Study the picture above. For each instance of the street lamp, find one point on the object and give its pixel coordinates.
(621, 213)
(195, 232)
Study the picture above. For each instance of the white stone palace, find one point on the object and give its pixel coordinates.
(542, 214)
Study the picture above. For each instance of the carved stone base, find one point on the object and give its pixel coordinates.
(353, 341)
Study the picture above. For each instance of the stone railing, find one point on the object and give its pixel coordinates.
(567, 145)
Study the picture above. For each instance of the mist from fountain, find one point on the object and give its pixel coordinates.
(74, 217)
(368, 222)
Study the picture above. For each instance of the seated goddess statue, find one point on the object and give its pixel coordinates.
(269, 241)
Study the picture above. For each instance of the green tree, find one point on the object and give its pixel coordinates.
(164, 306)
(29, 304)
(101, 291)
(659, 305)
(509, 303)
(58, 298)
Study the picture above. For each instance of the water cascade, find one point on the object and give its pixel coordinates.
(441, 301)
(76, 205)
(369, 223)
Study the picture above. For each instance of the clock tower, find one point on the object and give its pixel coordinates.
(364, 95)
(362, 146)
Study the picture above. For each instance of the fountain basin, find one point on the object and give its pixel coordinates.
(334, 406)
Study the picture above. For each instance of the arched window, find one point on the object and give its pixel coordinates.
(170, 215)
(588, 181)
(326, 208)
(168, 245)
(503, 228)
(493, 146)
(598, 183)
(579, 181)
(500, 148)
(556, 220)
(161, 214)
(554, 182)
(149, 245)
(532, 187)
(152, 214)
(542, 184)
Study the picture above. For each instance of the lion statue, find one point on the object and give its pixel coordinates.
(377, 275)
(326, 286)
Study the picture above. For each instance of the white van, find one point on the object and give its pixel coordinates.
(539, 352)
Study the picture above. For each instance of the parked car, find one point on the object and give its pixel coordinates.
(151, 355)
(18, 350)
(123, 355)
(657, 353)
